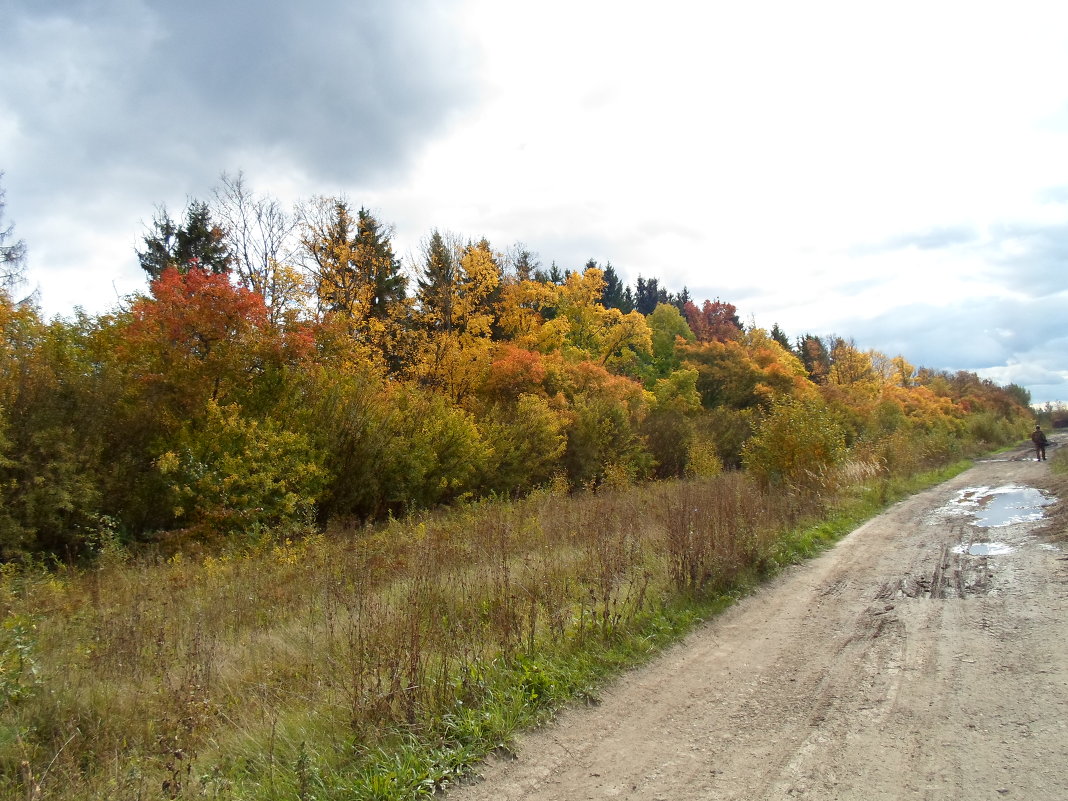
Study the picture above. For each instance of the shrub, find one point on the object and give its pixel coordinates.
(231, 474)
(797, 444)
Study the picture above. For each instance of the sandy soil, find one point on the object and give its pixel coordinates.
(892, 667)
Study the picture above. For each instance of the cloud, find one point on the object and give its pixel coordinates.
(344, 89)
(107, 110)
(930, 239)
(1031, 258)
(1019, 340)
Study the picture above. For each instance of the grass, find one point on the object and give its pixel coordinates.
(375, 663)
(1058, 462)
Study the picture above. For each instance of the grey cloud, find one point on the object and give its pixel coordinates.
(976, 336)
(1031, 258)
(930, 239)
(107, 109)
(345, 89)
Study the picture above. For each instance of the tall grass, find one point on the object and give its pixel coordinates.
(370, 663)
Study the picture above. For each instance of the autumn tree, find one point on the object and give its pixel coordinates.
(458, 289)
(849, 365)
(357, 280)
(198, 338)
(714, 321)
(798, 445)
(816, 357)
(197, 243)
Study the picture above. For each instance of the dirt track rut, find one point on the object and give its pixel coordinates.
(892, 667)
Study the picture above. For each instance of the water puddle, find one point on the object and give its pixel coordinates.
(991, 507)
(984, 549)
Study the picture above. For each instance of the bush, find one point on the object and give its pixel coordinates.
(231, 474)
(797, 445)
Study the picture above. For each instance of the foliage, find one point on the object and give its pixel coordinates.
(797, 445)
(197, 338)
(263, 329)
(198, 243)
(12, 252)
(227, 475)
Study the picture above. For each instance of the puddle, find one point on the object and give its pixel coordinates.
(991, 507)
(984, 549)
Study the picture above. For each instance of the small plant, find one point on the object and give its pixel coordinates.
(19, 669)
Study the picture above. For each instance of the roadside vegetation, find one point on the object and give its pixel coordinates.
(378, 663)
(298, 522)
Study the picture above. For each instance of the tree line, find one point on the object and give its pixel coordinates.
(283, 370)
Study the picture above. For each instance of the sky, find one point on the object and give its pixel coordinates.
(893, 173)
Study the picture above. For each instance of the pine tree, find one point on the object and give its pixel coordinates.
(199, 243)
(436, 286)
(378, 269)
(779, 336)
(13, 255)
(615, 294)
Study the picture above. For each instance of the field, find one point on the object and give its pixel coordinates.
(377, 662)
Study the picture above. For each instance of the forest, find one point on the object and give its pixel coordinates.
(283, 371)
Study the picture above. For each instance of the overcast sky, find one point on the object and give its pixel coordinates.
(892, 172)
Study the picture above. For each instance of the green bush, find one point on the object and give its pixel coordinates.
(230, 474)
(798, 443)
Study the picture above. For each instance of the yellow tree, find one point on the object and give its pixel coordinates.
(521, 310)
(456, 292)
(356, 280)
(584, 329)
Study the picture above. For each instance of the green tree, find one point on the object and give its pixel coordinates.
(667, 325)
(199, 242)
(648, 294)
(12, 251)
(228, 474)
(779, 336)
(615, 294)
(436, 285)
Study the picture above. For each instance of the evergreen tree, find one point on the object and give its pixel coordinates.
(615, 294)
(815, 356)
(648, 295)
(779, 336)
(13, 255)
(436, 285)
(377, 267)
(680, 300)
(198, 243)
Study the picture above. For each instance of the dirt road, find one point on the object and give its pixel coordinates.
(895, 666)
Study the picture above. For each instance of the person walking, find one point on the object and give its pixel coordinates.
(1038, 436)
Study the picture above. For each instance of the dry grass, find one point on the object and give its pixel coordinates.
(168, 679)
